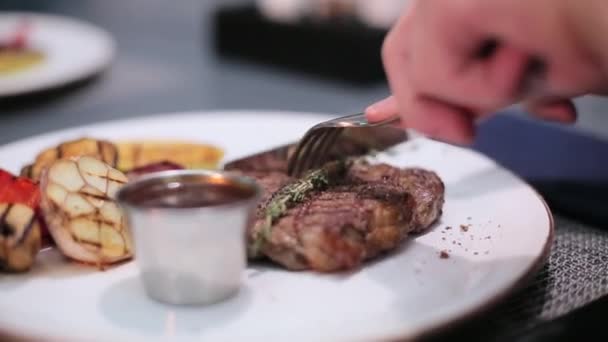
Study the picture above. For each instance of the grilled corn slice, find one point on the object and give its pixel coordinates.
(134, 154)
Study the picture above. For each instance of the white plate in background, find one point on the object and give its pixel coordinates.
(73, 50)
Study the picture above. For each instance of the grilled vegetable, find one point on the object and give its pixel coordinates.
(100, 149)
(135, 154)
(20, 238)
(77, 200)
(18, 190)
(21, 190)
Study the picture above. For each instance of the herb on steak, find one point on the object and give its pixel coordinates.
(292, 194)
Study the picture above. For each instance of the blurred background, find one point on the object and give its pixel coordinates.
(167, 60)
(296, 55)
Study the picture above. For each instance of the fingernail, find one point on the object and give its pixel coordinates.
(371, 109)
(374, 112)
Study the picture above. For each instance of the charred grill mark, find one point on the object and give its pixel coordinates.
(99, 147)
(90, 243)
(6, 229)
(391, 197)
(99, 253)
(28, 228)
(137, 152)
(115, 159)
(4, 264)
(93, 217)
(59, 151)
(113, 153)
(106, 177)
(115, 156)
(99, 197)
(106, 190)
(107, 152)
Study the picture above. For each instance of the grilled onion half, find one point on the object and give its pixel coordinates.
(77, 200)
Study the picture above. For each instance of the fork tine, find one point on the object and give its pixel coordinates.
(318, 151)
(295, 158)
(312, 150)
(308, 154)
(324, 147)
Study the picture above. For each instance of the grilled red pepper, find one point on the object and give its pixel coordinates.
(21, 190)
(14, 189)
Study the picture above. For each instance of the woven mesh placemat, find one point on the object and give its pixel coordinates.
(575, 274)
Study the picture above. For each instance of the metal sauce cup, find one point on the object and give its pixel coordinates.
(189, 233)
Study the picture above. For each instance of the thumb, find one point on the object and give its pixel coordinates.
(383, 109)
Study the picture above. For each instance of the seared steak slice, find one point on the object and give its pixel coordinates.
(424, 186)
(365, 213)
(340, 227)
(355, 212)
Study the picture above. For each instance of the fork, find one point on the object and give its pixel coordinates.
(313, 148)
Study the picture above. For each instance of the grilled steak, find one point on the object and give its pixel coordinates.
(340, 227)
(338, 220)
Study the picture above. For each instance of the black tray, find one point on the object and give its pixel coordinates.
(345, 50)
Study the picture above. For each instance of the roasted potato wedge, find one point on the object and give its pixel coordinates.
(77, 201)
(100, 149)
(135, 154)
(20, 238)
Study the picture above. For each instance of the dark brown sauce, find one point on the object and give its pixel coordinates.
(187, 195)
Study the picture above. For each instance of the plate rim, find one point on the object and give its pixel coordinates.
(74, 76)
(502, 296)
(431, 329)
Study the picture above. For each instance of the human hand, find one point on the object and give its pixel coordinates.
(452, 62)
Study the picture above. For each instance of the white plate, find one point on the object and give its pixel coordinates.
(73, 50)
(399, 296)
